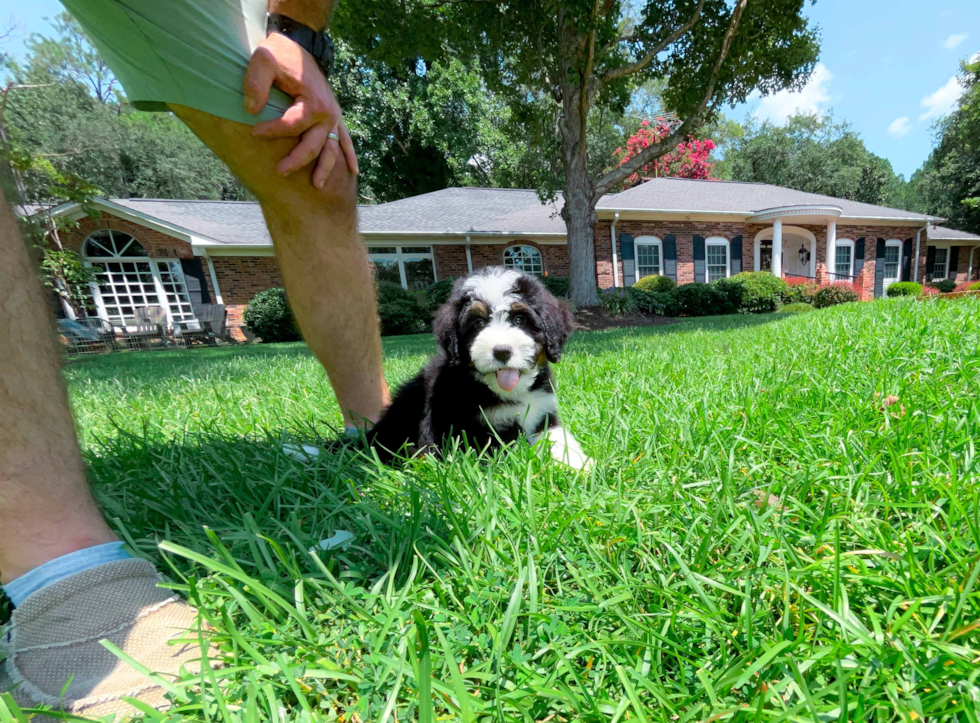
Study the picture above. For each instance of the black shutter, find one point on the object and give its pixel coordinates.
(907, 260)
(858, 257)
(629, 259)
(930, 262)
(880, 268)
(736, 255)
(197, 285)
(700, 270)
(954, 260)
(670, 256)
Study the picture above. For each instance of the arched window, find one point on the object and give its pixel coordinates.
(126, 278)
(524, 258)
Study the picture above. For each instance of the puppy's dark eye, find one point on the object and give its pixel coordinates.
(518, 320)
(479, 323)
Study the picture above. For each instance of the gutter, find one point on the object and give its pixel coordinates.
(615, 261)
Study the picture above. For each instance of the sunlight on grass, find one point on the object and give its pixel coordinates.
(664, 586)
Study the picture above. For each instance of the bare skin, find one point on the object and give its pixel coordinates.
(45, 507)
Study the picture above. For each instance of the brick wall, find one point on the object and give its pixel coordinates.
(241, 278)
(684, 232)
(451, 259)
(963, 264)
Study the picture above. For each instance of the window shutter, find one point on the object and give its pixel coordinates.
(670, 256)
(700, 269)
(626, 250)
(880, 268)
(907, 260)
(197, 285)
(858, 256)
(736, 251)
(930, 262)
(953, 261)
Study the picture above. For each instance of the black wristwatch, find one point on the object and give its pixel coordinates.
(317, 44)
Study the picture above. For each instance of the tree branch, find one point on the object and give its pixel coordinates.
(656, 150)
(643, 62)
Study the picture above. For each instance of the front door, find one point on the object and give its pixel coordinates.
(893, 259)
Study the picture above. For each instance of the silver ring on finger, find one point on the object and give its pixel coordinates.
(333, 136)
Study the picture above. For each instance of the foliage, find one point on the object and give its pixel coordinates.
(928, 290)
(834, 294)
(655, 283)
(945, 286)
(618, 302)
(689, 159)
(762, 292)
(557, 285)
(812, 153)
(797, 307)
(722, 437)
(700, 299)
(269, 317)
(437, 293)
(905, 288)
(399, 311)
(948, 183)
(732, 290)
(800, 290)
(975, 286)
(63, 271)
(661, 303)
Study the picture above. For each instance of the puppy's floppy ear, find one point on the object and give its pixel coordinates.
(553, 316)
(445, 324)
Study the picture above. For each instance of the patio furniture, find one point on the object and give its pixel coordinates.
(147, 329)
(88, 336)
(209, 327)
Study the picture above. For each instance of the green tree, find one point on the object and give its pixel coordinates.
(560, 63)
(812, 153)
(948, 184)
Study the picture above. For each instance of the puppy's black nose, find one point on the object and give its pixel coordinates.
(502, 353)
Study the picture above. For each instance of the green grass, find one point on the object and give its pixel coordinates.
(761, 539)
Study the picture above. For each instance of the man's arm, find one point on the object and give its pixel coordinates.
(314, 13)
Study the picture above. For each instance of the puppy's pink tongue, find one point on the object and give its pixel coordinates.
(508, 378)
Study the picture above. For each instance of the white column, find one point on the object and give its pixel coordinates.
(777, 247)
(831, 247)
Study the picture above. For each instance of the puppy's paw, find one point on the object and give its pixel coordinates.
(566, 449)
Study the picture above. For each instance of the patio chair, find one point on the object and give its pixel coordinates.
(209, 327)
(150, 328)
(81, 339)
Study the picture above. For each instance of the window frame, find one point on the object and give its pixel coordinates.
(894, 243)
(650, 241)
(849, 243)
(503, 256)
(726, 244)
(401, 256)
(935, 264)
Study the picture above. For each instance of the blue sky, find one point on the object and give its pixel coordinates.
(887, 66)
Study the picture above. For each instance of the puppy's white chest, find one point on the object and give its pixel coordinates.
(527, 412)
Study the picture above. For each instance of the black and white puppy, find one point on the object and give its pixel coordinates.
(491, 379)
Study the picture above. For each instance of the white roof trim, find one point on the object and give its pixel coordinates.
(152, 222)
(771, 214)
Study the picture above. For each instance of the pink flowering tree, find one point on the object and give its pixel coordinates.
(689, 159)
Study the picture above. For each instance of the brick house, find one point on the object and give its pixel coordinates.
(181, 254)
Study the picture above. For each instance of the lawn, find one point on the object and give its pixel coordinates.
(763, 538)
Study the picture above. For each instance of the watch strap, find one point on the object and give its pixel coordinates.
(317, 44)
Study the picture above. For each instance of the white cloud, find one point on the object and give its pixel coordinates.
(942, 101)
(899, 127)
(812, 98)
(953, 41)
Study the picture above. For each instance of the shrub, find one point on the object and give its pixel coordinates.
(663, 303)
(700, 299)
(618, 302)
(655, 284)
(269, 317)
(975, 286)
(905, 288)
(944, 285)
(800, 291)
(930, 291)
(797, 307)
(398, 310)
(833, 295)
(557, 285)
(731, 290)
(437, 293)
(761, 291)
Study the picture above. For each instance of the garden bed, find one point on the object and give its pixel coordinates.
(594, 319)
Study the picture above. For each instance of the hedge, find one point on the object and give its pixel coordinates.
(904, 288)
(269, 317)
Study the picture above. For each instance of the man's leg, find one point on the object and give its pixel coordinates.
(46, 509)
(323, 262)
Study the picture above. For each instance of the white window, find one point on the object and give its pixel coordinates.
(126, 278)
(940, 267)
(649, 256)
(717, 261)
(843, 259)
(524, 258)
(411, 267)
(893, 256)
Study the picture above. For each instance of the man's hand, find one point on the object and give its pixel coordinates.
(314, 114)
